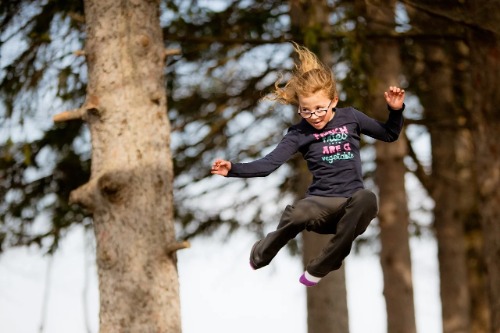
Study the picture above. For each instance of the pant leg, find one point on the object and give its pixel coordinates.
(360, 209)
(306, 213)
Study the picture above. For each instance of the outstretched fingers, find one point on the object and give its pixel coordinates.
(395, 97)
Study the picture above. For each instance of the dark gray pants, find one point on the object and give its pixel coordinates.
(345, 218)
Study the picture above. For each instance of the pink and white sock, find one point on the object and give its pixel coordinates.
(309, 280)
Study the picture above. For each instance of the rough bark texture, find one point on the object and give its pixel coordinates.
(327, 310)
(130, 190)
(390, 176)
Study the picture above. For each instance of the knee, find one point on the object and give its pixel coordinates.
(300, 214)
(366, 201)
(294, 216)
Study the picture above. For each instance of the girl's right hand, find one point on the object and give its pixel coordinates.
(395, 97)
(221, 167)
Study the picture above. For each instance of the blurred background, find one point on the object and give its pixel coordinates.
(428, 263)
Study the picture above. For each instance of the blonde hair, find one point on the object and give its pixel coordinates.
(309, 76)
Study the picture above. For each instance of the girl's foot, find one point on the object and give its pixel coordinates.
(255, 261)
(309, 280)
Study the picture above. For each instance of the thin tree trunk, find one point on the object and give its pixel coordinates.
(327, 302)
(390, 176)
(395, 250)
(130, 190)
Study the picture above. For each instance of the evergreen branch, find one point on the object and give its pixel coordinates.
(464, 17)
(323, 37)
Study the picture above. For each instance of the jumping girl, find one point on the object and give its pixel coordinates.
(328, 138)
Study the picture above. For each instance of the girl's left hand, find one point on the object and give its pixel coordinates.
(395, 97)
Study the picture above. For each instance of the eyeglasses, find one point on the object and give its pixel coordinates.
(317, 112)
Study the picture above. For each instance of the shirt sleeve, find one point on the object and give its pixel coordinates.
(388, 131)
(269, 163)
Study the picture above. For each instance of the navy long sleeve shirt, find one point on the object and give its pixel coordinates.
(332, 153)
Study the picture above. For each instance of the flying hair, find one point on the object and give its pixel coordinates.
(309, 76)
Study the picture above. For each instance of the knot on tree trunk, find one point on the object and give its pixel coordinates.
(112, 186)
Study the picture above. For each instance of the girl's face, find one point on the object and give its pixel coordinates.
(317, 109)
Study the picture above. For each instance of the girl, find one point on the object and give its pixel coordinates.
(329, 140)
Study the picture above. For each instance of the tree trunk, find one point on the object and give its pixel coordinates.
(327, 310)
(477, 283)
(453, 195)
(130, 189)
(390, 176)
(485, 75)
(444, 92)
(395, 250)
(479, 20)
(469, 211)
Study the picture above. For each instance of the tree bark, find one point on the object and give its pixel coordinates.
(451, 173)
(130, 189)
(327, 310)
(444, 91)
(385, 69)
(485, 76)
(395, 250)
(478, 19)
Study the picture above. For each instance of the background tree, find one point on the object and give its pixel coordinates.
(385, 69)
(130, 189)
(481, 36)
(439, 67)
(129, 193)
(327, 309)
(230, 55)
